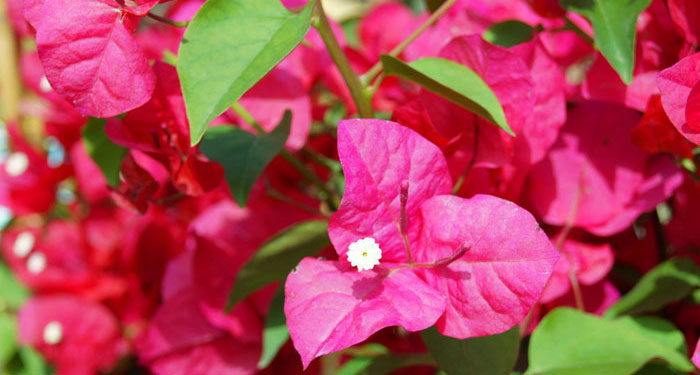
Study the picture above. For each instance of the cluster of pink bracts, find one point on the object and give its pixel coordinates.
(143, 270)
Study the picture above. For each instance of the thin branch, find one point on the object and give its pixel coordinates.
(168, 20)
(369, 76)
(357, 89)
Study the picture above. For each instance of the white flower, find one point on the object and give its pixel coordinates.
(16, 164)
(53, 333)
(24, 243)
(36, 263)
(364, 254)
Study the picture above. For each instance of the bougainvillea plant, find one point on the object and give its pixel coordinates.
(242, 187)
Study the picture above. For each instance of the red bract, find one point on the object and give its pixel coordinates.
(160, 129)
(655, 133)
(686, 212)
(27, 183)
(90, 55)
(77, 343)
(476, 265)
(594, 177)
(686, 16)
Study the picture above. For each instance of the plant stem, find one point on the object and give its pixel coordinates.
(357, 89)
(573, 213)
(306, 172)
(168, 20)
(283, 198)
(369, 76)
(10, 87)
(475, 150)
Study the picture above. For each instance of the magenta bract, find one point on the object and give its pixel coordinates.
(476, 265)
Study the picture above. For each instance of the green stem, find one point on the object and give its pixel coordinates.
(369, 76)
(283, 198)
(320, 22)
(305, 171)
(168, 20)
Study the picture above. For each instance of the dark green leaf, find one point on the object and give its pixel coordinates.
(614, 29)
(658, 369)
(243, 155)
(13, 293)
(489, 355)
(454, 82)
(570, 342)
(375, 359)
(107, 155)
(508, 33)
(670, 281)
(8, 343)
(228, 47)
(278, 256)
(275, 333)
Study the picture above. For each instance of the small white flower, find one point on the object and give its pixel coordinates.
(36, 263)
(44, 84)
(53, 333)
(16, 164)
(24, 243)
(364, 254)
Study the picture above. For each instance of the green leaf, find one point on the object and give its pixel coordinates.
(454, 82)
(107, 155)
(34, 363)
(275, 333)
(614, 29)
(489, 355)
(228, 47)
(508, 33)
(8, 342)
(278, 256)
(670, 281)
(375, 359)
(13, 293)
(243, 155)
(570, 342)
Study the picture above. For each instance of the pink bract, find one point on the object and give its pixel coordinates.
(676, 84)
(485, 291)
(91, 57)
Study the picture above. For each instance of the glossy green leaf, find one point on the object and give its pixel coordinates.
(243, 155)
(106, 154)
(454, 82)
(278, 256)
(570, 342)
(228, 47)
(489, 355)
(670, 281)
(275, 333)
(508, 33)
(614, 29)
(8, 342)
